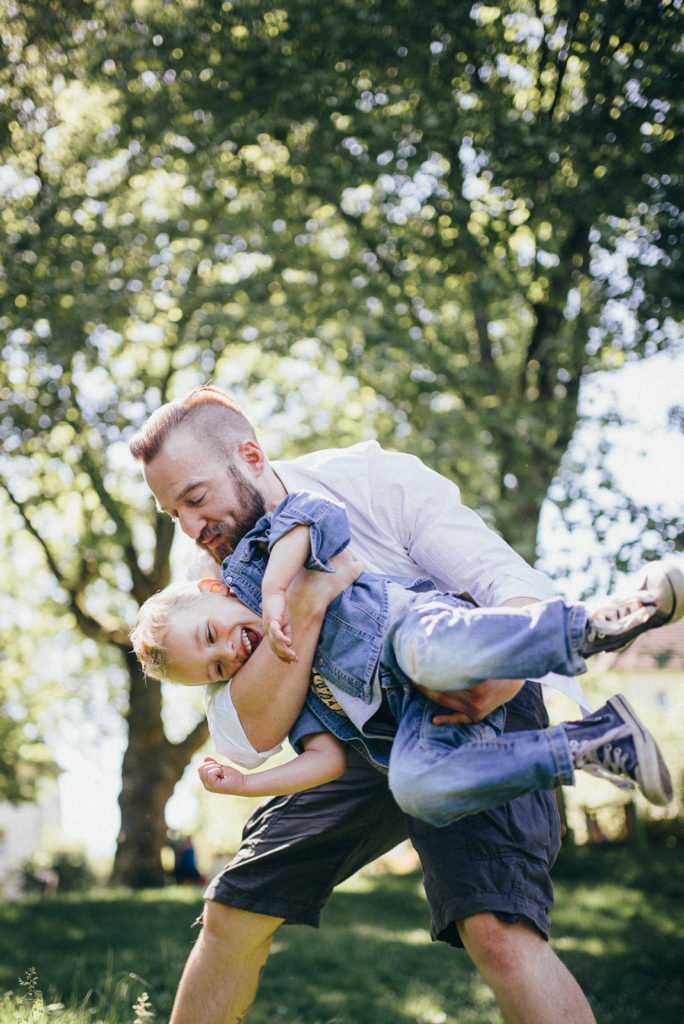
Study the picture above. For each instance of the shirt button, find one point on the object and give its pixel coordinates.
(228, 579)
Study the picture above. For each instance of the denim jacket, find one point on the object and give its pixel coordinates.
(348, 656)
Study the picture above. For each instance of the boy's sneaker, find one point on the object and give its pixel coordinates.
(621, 620)
(613, 744)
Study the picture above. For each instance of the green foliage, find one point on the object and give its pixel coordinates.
(42, 669)
(25, 758)
(99, 952)
(28, 1006)
(442, 200)
(62, 871)
(417, 221)
(372, 961)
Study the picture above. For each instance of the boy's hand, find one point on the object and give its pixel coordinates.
(219, 778)
(275, 612)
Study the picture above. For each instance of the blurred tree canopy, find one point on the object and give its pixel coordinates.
(420, 221)
(25, 759)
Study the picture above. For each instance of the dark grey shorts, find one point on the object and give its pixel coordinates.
(297, 848)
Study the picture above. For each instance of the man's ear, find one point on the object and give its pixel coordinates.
(209, 586)
(252, 455)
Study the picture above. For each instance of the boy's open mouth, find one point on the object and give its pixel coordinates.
(250, 641)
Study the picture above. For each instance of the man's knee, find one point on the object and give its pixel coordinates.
(239, 933)
(497, 945)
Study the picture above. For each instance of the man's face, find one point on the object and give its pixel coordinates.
(210, 638)
(214, 504)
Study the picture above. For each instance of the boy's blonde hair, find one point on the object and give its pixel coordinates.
(151, 630)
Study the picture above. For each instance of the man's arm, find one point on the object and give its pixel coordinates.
(323, 759)
(444, 538)
(267, 693)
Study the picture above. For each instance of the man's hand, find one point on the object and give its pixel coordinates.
(316, 590)
(475, 703)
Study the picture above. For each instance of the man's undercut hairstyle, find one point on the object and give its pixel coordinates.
(214, 417)
(149, 637)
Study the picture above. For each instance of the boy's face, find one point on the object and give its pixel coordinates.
(210, 638)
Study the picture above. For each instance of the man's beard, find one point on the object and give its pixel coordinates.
(251, 509)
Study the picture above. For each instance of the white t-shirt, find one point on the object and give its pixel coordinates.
(405, 520)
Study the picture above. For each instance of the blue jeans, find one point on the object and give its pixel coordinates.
(442, 772)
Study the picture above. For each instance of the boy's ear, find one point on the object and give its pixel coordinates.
(209, 586)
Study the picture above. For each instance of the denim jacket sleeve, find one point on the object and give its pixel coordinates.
(327, 522)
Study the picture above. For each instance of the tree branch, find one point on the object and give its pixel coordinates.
(49, 558)
(108, 630)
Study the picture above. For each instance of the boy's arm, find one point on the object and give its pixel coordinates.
(286, 558)
(322, 760)
(268, 694)
(306, 530)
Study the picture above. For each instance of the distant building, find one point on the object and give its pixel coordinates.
(659, 648)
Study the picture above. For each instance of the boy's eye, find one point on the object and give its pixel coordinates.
(219, 671)
(210, 635)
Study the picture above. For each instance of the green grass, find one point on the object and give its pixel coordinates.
(618, 924)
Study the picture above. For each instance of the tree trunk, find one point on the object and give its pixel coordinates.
(142, 800)
(151, 768)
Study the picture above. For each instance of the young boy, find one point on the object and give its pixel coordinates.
(379, 637)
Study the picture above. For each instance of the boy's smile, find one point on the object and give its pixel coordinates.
(210, 639)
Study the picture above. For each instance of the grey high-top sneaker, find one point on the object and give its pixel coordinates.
(621, 620)
(613, 744)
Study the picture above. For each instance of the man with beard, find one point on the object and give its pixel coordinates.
(486, 877)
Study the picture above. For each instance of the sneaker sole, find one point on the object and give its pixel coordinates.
(652, 773)
(674, 578)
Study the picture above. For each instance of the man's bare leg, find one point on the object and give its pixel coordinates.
(221, 977)
(531, 985)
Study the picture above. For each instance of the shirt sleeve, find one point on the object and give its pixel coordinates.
(226, 730)
(446, 539)
(327, 522)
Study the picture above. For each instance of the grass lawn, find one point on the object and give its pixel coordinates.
(618, 924)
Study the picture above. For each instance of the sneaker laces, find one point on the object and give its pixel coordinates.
(622, 615)
(611, 765)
